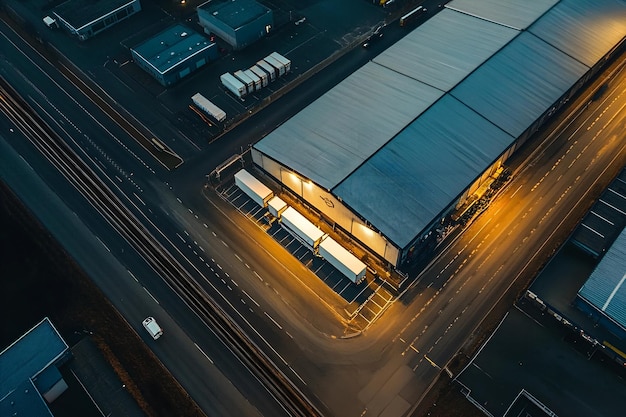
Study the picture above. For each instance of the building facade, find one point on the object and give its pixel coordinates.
(174, 54)
(88, 18)
(238, 22)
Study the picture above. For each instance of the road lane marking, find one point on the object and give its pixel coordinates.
(253, 300)
(205, 355)
(155, 300)
(273, 321)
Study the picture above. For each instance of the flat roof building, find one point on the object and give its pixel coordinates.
(29, 375)
(87, 18)
(238, 22)
(174, 53)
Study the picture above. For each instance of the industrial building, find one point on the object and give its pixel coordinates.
(174, 53)
(30, 378)
(604, 296)
(602, 234)
(88, 18)
(411, 140)
(238, 22)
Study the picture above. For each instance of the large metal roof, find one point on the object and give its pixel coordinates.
(332, 136)
(606, 287)
(407, 183)
(346, 140)
(445, 49)
(518, 14)
(520, 83)
(582, 29)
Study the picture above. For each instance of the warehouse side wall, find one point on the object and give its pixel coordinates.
(330, 207)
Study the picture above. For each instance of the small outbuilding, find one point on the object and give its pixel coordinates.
(87, 18)
(238, 22)
(174, 53)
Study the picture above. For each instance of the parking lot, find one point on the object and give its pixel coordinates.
(365, 302)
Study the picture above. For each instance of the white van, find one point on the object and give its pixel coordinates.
(153, 327)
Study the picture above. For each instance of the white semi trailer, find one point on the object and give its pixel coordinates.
(208, 107)
(249, 82)
(234, 85)
(261, 74)
(280, 68)
(342, 260)
(258, 84)
(301, 227)
(254, 188)
(276, 206)
(271, 71)
(286, 62)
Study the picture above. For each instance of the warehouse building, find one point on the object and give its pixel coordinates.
(30, 378)
(88, 18)
(238, 22)
(174, 53)
(603, 296)
(602, 233)
(411, 140)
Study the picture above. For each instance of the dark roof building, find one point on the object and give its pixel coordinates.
(30, 378)
(174, 53)
(238, 22)
(87, 18)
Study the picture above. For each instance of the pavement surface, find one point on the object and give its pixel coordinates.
(101, 383)
(525, 354)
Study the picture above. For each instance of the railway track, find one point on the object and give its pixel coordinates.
(103, 199)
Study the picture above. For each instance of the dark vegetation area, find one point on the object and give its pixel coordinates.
(39, 279)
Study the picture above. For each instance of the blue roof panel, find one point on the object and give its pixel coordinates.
(606, 287)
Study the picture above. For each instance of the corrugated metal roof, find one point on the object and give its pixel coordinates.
(411, 178)
(519, 83)
(332, 136)
(606, 286)
(407, 183)
(583, 30)
(518, 14)
(443, 50)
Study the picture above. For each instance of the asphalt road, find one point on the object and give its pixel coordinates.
(286, 310)
(198, 359)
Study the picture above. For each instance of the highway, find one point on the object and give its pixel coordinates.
(392, 364)
(225, 342)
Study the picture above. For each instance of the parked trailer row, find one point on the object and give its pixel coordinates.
(336, 255)
(208, 107)
(344, 261)
(244, 82)
(254, 188)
